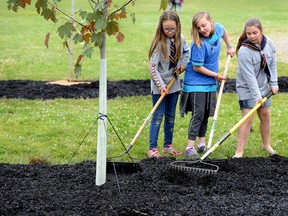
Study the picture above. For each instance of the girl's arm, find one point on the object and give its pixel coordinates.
(184, 55)
(230, 49)
(273, 69)
(153, 69)
(207, 72)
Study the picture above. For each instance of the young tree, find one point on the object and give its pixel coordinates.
(102, 20)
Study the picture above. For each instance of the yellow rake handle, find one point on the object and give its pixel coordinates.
(236, 126)
(149, 116)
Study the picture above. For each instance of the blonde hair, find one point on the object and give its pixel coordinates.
(250, 22)
(197, 37)
(160, 37)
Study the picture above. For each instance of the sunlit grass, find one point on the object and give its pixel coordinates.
(24, 56)
(54, 130)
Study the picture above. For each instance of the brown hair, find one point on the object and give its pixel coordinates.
(197, 37)
(160, 37)
(250, 22)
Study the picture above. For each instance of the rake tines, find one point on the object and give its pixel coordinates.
(194, 167)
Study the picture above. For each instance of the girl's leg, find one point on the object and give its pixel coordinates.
(198, 101)
(265, 128)
(170, 110)
(243, 133)
(156, 121)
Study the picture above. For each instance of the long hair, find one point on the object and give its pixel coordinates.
(250, 22)
(160, 37)
(197, 37)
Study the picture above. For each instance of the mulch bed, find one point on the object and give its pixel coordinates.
(125, 88)
(246, 186)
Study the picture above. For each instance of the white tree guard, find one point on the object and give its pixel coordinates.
(102, 135)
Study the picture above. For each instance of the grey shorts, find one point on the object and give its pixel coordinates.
(250, 103)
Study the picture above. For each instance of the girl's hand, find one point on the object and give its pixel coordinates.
(219, 77)
(259, 101)
(164, 91)
(274, 90)
(182, 69)
(231, 51)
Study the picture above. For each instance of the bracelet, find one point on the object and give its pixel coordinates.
(218, 77)
(229, 47)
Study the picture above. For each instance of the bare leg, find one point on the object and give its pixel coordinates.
(243, 133)
(264, 116)
(201, 139)
(190, 143)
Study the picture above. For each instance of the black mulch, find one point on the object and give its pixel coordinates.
(247, 186)
(42, 90)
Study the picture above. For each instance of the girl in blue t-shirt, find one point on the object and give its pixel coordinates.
(199, 83)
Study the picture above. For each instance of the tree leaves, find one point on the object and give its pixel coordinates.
(43, 10)
(14, 4)
(101, 24)
(97, 38)
(91, 30)
(163, 5)
(112, 28)
(120, 37)
(65, 30)
(46, 41)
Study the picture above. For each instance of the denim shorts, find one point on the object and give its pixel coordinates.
(250, 104)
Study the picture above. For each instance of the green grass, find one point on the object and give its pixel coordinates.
(24, 56)
(58, 127)
(53, 130)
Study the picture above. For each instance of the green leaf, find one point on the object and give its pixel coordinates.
(41, 5)
(97, 38)
(49, 14)
(88, 52)
(132, 15)
(66, 29)
(13, 5)
(112, 28)
(100, 24)
(91, 17)
(83, 14)
(163, 5)
(77, 70)
(77, 37)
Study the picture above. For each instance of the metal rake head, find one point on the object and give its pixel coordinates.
(194, 167)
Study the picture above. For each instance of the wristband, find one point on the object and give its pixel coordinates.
(229, 47)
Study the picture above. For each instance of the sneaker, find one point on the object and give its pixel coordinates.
(170, 150)
(154, 153)
(191, 152)
(201, 147)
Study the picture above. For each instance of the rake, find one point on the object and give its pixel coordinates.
(218, 104)
(148, 117)
(204, 168)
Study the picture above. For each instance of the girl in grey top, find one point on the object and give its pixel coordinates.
(168, 56)
(256, 76)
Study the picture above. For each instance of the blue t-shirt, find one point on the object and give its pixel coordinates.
(208, 56)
